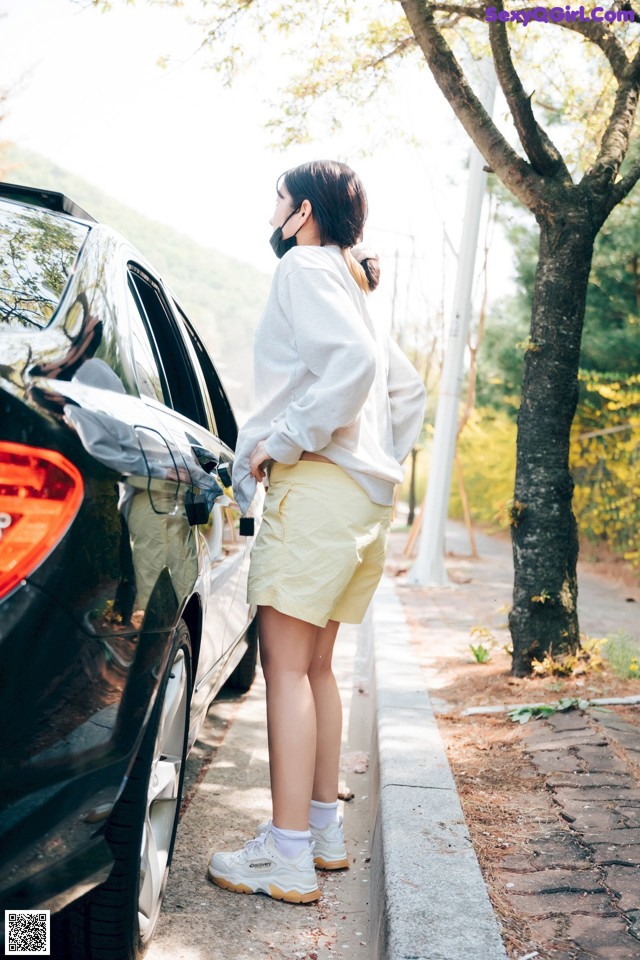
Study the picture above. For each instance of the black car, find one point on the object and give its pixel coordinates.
(123, 565)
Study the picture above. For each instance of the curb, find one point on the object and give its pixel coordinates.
(428, 898)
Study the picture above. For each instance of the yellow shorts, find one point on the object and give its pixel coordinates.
(320, 550)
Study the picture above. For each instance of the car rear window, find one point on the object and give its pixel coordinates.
(37, 252)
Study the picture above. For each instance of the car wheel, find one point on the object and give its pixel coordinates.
(116, 921)
(244, 674)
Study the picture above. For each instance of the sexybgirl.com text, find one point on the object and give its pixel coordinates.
(559, 15)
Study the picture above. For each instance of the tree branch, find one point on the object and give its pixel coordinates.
(219, 26)
(476, 13)
(515, 172)
(615, 140)
(603, 38)
(623, 187)
(398, 50)
(544, 156)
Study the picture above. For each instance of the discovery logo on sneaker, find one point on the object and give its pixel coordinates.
(259, 867)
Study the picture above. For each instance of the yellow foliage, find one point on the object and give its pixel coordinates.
(604, 459)
(605, 462)
(587, 659)
(487, 452)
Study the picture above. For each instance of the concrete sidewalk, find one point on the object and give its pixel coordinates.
(226, 799)
(429, 900)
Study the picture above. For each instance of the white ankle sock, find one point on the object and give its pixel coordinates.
(322, 814)
(290, 843)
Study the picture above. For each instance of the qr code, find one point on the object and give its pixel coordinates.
(26, 933)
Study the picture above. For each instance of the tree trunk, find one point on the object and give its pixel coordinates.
(544, 533)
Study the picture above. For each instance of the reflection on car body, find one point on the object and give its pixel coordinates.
(122, 571)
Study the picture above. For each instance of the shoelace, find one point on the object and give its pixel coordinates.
(251, 846)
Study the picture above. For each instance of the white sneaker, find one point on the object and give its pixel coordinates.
(259, 867)
(329, 850)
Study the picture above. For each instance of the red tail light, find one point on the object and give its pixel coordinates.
(40, 494)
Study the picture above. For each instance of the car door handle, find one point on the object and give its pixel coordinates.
(207, 460)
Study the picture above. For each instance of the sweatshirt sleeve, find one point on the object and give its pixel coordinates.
(333, 342)
(406, 401)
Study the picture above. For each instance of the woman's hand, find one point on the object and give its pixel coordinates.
(256, 461)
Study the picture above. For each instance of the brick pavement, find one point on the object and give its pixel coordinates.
(576, 881)
(580, 888)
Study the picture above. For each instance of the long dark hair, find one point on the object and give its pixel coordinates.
(339, 204)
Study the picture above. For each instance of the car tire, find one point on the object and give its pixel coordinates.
(241, 679)
(116, 920)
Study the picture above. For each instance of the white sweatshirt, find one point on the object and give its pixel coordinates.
(326, 380)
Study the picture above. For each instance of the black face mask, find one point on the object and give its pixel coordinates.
(280, 246)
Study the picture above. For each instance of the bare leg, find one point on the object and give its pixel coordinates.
(328, 715)
(286, 650)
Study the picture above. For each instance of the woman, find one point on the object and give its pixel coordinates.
(338, 408)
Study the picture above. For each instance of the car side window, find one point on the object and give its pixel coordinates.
(180, 386)
(226, 427)
(149, 376)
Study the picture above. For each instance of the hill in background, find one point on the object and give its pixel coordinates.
(222, 296)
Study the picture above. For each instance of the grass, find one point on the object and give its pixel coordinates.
(622, 653)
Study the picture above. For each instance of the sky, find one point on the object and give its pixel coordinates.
(176, 145)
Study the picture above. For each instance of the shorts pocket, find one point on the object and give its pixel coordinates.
(275, 509)
(280, 502)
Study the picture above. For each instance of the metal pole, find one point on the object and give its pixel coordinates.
(429, 569)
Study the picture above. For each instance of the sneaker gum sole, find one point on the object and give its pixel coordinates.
(323, 864)
(291, 896)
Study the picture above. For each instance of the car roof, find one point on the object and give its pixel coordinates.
(47, 199)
